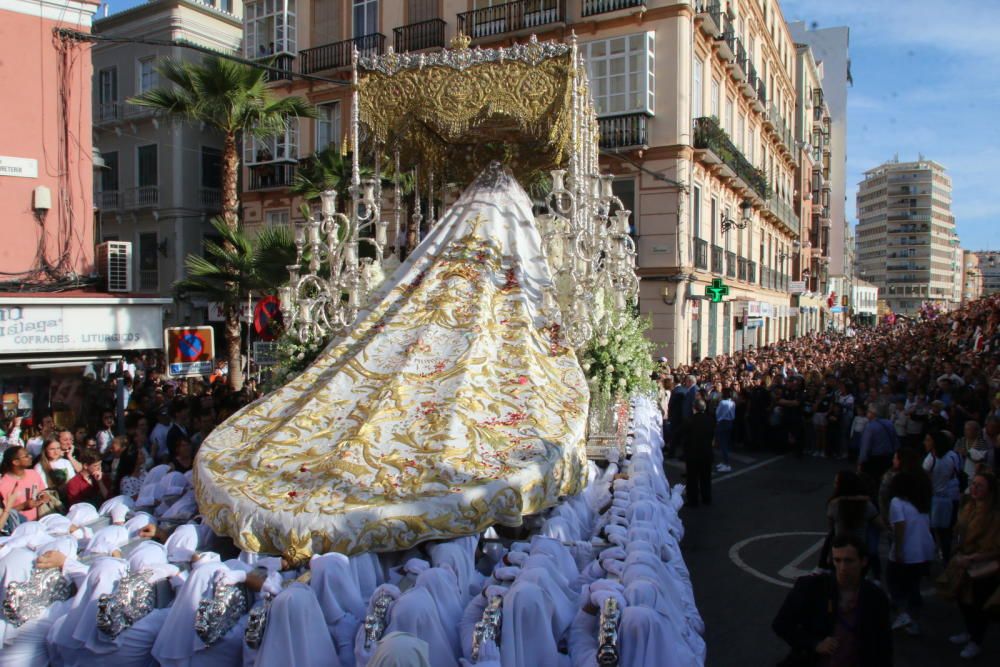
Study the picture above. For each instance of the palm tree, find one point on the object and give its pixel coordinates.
(230, 270)
(234, 99)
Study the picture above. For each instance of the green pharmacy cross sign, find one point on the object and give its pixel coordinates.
(716, 290)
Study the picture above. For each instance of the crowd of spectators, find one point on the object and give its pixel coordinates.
(914, 407)
(106, 451)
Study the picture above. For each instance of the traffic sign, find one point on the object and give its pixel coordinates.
(267, 318)
(190, 351)
(265, 353)
(717, 290)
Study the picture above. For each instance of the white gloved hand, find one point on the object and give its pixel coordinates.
(613, 455)
(272, 585)
(599, 596)
(230, 577)
(489, 653)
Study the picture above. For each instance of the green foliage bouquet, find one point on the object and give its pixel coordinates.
(620, 363)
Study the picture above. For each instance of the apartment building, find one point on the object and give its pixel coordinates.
(696, 105)
(160, 185)
(989, 268)
(813, 189)
(972, 276)
(829, 47)
(906, 240)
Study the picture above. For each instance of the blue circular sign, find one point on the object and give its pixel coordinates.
(190, 347)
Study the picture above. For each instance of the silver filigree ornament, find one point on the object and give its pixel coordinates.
(375, 622)
(257, 623)
(132, 598)
(607, 634)
(220, 613)
(532, 53)
(27, 600)
(488, 628)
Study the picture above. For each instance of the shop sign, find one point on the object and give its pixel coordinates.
(797, 286)
(766, 310)
(22, 167)
(265, 353)
(753, 309)
(79, 328)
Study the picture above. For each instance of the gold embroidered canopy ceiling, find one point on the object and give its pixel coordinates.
(450, 113)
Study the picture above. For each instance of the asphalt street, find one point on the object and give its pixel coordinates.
(763, 530)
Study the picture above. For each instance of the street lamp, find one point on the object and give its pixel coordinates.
(745, 209)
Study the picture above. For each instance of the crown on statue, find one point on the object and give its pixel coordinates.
(460, 41)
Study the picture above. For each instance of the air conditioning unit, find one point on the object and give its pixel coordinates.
(114, 265)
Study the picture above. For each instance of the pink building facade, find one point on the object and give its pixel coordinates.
(46, 156)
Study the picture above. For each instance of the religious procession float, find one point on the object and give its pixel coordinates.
(422, 493)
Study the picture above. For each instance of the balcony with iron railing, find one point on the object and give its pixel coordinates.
(624, 131)
(511, 17)
(738, 68)
(701, 254)
(107, 112)
(149, 280)
(338, 54)
(785, 214)
(108, 200)
(594, 7)
(419, 36)
(710, 13)
(282, 67)
(731, 264)
(718, 260)
(272, 175)
(752, 272)
(211, 199)
(144, 196)
(726, 42)
(708, 136)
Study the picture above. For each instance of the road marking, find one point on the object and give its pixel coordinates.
(792, 570)
(734, 555)
(743, 471)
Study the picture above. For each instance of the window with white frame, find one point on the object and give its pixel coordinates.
(696, 212)
(276, 217)
(621, 73)
(715, 99)
(282, 148)
(741, 132)
(697, 92)
(268, 28)
(147, 74)
(751, 143)
(327, 125)
(727, 123)
(107, 87)
(365, 17)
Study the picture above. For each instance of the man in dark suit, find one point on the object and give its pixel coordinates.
(696, 439)
(837, 618)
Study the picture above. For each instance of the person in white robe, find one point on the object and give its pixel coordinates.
(473, 613)
(362, 653)
(177, 645)
(528, 634)
(457, 556)
(70, 634)
(296, 633)
(15, 566)
(640, 594)
(583, 631)
(336, 589)
(442, 584)
(646, 638)
(401, 649)
(368, 572)
(415, 612)
(132, 648)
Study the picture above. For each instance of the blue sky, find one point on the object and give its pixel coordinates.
(926, 80)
